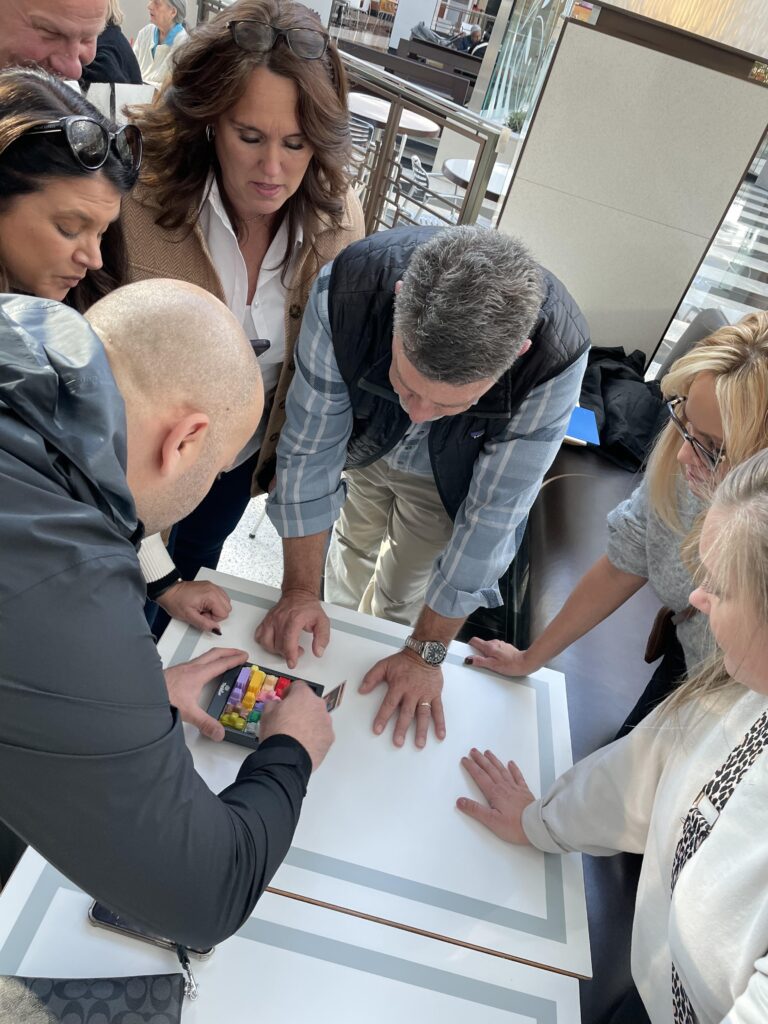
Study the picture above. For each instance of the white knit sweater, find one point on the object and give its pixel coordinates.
(631, 796)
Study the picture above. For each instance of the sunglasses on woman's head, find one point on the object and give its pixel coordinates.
(259, 37)
(89, 141)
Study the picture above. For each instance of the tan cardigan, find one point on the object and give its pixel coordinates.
(155, 252)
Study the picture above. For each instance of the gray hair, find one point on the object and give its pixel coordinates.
(468, 302)
(180, 6)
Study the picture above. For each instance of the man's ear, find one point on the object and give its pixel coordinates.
(182, 444)
(524, 347)
(398, 287)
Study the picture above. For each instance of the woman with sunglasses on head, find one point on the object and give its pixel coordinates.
(718, 416)
(688, 789)
(64, 169)
(245, 192)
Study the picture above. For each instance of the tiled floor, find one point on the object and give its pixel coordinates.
(259, 558)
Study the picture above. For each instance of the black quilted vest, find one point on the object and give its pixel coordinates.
(360, 306)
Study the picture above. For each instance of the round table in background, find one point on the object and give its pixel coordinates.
(376, 110)
(460, 171)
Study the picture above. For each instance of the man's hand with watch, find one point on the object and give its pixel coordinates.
(414, 682)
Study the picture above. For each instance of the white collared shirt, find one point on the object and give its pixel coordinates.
(265, 316)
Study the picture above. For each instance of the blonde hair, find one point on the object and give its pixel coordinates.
(737, 563)
(114, 13)
(737, 357)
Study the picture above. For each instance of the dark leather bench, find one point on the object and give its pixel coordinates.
(453, 87)
(605, 674)
(450, 60)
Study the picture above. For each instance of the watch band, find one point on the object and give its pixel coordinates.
(432, 652)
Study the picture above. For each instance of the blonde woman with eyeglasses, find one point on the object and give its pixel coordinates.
(717, 399)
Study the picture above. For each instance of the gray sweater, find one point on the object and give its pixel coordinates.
(640, 543)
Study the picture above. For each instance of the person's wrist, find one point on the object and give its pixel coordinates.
(418, 660)
(301, 590)
(159, 588)
(531, 660)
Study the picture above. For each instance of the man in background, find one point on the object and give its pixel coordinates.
(58, 35)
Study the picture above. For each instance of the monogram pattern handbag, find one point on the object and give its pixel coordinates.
(149, 999)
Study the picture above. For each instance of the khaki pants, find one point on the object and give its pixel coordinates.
(391, 529)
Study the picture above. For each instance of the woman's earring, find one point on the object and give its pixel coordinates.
(210, 132)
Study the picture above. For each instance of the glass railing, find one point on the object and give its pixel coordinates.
(453, 19)
(368, 22)
(388, 117)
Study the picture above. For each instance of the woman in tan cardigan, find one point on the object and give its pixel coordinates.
(245, 192)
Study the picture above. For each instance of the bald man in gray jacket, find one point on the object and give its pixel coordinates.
(108, 428)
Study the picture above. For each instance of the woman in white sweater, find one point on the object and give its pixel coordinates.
(156, 42)
(688, 787)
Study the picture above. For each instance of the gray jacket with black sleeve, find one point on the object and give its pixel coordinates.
(95, 772)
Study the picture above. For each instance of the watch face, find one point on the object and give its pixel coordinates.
(434, 653)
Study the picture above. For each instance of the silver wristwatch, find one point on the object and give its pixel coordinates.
(430, 651)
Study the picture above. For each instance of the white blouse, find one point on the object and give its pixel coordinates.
(155, 67)
(264, 318)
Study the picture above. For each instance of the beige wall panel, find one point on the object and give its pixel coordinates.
(623, 270)
(642, 131)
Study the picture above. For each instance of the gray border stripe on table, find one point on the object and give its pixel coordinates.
(25, 927)
(443, 899)
(540, 1009)
(552, 926)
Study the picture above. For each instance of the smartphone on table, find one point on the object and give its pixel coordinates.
(103, 917)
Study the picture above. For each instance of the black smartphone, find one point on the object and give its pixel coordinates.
(103, 917)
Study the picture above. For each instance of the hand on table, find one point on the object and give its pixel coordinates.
(302, 715)
(501, 657)
(198, 602)
(186, 681)
(505, 790)
(413, 690)
(281, 627)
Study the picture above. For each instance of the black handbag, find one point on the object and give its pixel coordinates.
(143, 999)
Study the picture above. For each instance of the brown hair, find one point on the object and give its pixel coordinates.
(210, 73)
(30, 98)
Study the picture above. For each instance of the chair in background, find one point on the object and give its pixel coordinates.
(703, 324)
(364, 151)
(417, 199)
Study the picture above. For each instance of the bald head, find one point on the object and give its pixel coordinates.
(191, 386)
(172, 344)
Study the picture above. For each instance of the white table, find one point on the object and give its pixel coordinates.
(290, 962)
(460, 171)
(379, 833)
(376, 109)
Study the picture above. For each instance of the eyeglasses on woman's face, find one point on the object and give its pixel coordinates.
(260, 37)
(711, 458)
